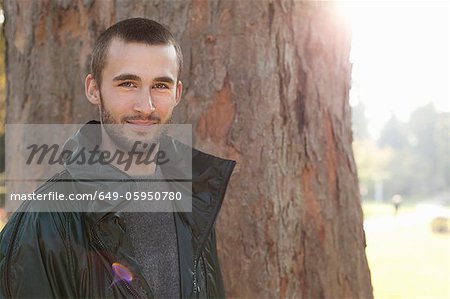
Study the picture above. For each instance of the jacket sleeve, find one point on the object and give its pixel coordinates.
(35, 259)
(214, 281)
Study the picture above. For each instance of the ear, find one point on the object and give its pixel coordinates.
(179, 92)
(92, 90)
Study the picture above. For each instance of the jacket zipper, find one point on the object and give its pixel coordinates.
(132, 291)
(194, 272)
(178, 254)
(196, 286)
(205, 274)
(195, 281)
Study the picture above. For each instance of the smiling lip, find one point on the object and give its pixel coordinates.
(141, 122)
(141, 125)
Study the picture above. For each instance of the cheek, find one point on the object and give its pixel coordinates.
(164, 102)
(164, 107)
(117, 104)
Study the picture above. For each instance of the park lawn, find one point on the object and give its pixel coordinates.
(374, 209)
(406, 259)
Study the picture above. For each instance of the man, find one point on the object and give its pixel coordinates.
(135, 84)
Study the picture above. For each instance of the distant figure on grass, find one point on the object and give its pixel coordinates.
(397, 201)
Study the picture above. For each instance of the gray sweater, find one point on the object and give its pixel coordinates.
(154, 240)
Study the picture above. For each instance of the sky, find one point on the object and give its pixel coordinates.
(400, 56)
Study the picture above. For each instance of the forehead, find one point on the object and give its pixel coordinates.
(140, 59)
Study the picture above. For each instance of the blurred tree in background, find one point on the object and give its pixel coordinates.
(442, 151)
(359, 122)
(393, 134)
(373, 163)
(411, 158)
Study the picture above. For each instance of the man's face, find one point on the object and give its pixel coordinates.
(139, 90)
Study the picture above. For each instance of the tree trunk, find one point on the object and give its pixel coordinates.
(266, 83)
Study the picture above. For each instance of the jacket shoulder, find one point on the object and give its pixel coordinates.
(25, 215)
(202, 161)
(35, 253)
(35, 247)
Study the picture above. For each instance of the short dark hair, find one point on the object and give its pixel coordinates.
(138, 30)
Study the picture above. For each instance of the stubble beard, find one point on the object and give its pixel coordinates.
(117, 133)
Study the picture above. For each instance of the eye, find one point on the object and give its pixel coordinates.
(160, 86)
(127, 84)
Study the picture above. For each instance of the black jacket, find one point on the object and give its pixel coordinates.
(69, 254)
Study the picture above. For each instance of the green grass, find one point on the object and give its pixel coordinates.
(376, 209)
(406, 259)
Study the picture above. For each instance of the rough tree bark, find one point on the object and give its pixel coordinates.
(266, 83)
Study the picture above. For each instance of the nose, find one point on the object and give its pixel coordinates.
(144, 104)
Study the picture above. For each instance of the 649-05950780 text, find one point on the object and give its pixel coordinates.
(98, 195)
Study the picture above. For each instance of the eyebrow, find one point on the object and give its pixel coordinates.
(165, 79)
(123, 77)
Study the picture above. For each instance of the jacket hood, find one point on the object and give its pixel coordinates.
(82, 146)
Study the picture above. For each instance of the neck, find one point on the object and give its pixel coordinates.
(135, 161)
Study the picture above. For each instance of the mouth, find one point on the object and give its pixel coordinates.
(141, 125)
